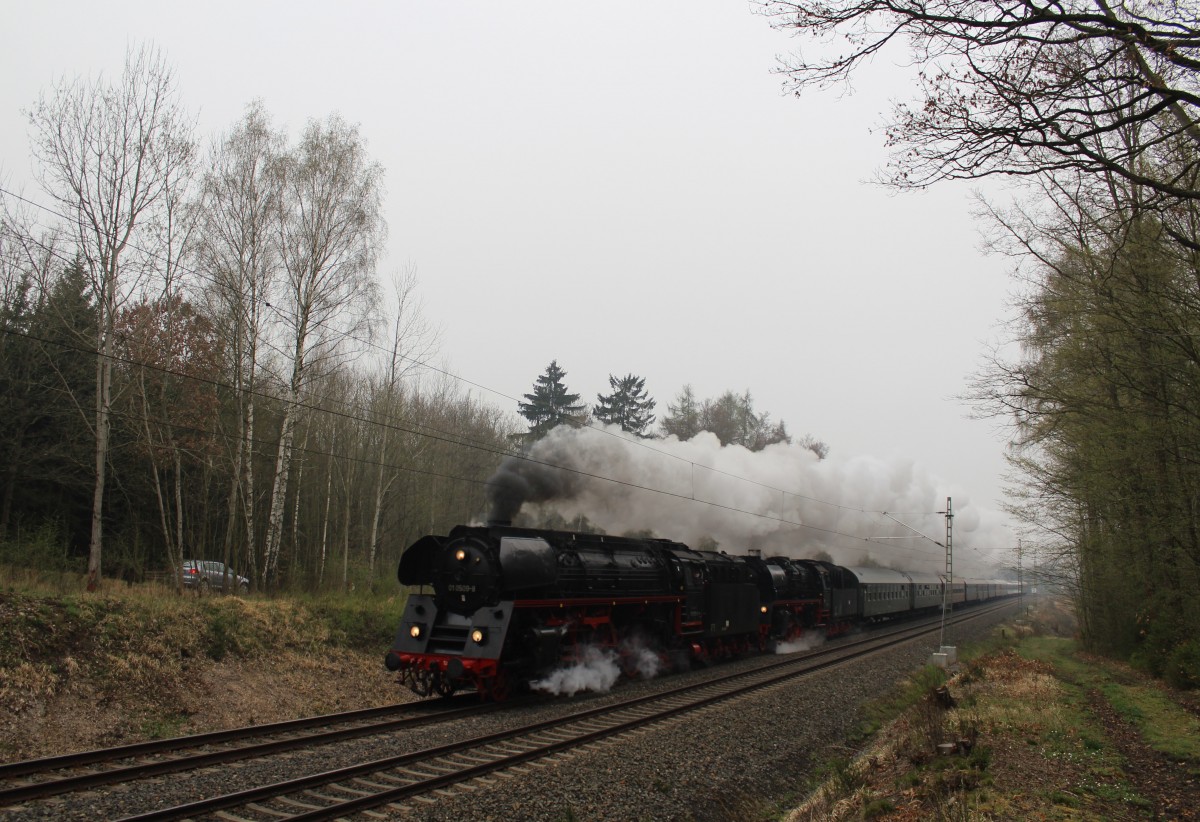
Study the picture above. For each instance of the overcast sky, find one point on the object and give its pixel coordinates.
(621, 186)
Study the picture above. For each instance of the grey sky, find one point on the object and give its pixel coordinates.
(620, 186)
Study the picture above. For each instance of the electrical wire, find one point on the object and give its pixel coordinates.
(399, 428)
(427, 365)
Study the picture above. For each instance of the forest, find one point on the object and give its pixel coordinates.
(199, 356)
(1091, 110)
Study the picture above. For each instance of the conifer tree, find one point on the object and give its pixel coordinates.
(627, 406)
(683, 416)
(550, 404)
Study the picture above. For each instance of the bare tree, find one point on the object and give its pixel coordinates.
(110, 158)
(330, 226)
(173, 361)
(239, 252)
(1021, 88)
(413, 340)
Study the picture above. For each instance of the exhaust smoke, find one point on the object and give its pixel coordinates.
(782, 500)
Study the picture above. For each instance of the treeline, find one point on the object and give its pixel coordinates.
(1096, 109)
(731, 417)
(1107, 407)
(375, 462)
(198, 359)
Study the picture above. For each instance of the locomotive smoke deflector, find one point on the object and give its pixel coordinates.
(416, 563)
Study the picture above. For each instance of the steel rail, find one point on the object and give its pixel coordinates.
(51, 787)
(74, 760)
(762, 677)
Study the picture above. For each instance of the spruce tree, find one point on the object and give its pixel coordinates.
(627, 406)
(550, 404)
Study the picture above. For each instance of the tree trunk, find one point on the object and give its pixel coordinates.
(177, 554)
(235, 492)
(296, 502)
(278, 496)
(103, 407)
(328, 505)
(346, 542)
(377, 510)
(248, 488)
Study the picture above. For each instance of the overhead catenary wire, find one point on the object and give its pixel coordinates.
(426, 364)
(403, 429)
(527, 458)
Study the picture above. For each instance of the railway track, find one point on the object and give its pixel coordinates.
(51, 776)
(470, 764)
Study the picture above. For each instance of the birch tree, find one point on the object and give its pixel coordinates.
(329, 229)
(109, 155)
(239, 253)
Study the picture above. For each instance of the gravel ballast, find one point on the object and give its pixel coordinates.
(724, 762)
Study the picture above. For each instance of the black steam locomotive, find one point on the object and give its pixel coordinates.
(500, 606)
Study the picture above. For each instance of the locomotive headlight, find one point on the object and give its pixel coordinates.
(763, 609)
(460, 555)
(478, 636)
(415, 632)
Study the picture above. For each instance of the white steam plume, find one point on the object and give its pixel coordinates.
(795, 504)
(805, 643)
(597, 670)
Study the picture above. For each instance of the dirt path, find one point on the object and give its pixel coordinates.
(1171, 786)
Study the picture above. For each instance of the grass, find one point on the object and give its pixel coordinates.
(42, 627)
(133, 662)
(1035, 749)
(1165, 726)
(163, 727)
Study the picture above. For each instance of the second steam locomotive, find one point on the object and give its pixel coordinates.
(500, 606)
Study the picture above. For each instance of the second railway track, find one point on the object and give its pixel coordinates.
(51, 776)
(348, 790)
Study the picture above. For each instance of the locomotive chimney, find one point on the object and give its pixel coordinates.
(498, 523)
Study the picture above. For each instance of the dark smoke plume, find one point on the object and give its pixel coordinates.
(518, 481)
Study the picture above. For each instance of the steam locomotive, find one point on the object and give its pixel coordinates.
(499, 606)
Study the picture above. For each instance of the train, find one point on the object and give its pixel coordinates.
(495, 607)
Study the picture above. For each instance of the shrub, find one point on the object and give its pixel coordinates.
(222, 635)
(43, 548)
(844, 776)
(1182, 668)
(878, 807)
(361, 622)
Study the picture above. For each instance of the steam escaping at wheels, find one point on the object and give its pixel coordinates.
(802, 643)
(641, 661)
(597, 670)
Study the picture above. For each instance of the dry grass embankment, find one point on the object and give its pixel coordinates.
(1040, 731)
(80, 671)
